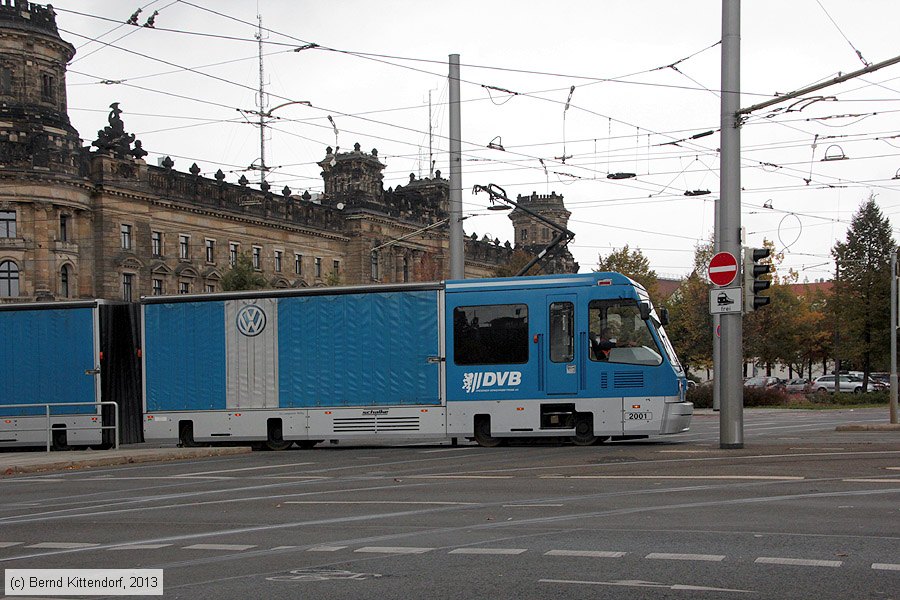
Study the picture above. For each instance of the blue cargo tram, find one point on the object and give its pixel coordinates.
(583, 357)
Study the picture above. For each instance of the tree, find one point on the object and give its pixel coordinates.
(690, 324)
(631, 263)
(242, 276)
(861, 296)
(517, 261)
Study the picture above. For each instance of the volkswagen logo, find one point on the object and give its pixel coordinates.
(251, 320)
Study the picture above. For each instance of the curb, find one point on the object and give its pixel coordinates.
(870, 427)
(133, 457)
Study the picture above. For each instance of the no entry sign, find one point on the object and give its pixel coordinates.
(722, 268)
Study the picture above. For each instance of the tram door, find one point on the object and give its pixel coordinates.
(562, 354)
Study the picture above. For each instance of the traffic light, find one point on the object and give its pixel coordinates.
(753, 285)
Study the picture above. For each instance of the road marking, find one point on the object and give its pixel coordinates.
(237, 547)
(712, 477)
(393, 550)
(873, 480)
(459, 477)
(382, 502)
(489, 551)
(585, 553)
(326, 548)
(62, 545)
(531, 505)
(704, 557)
(303, 464)
(139, 547)
(683, 451)
(885, 567)
(893, 468)
(9, 544)
(798, 562)
(448, 449)
(647, 584)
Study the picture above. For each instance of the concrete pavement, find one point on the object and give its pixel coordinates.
(17, 463)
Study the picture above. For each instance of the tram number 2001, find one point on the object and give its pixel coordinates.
(640, 416)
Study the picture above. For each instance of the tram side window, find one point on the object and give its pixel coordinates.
(562, 332)
(494, 334)
(619, 335)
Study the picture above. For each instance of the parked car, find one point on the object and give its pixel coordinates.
(764, 382)
(847, 383)
(797, 385)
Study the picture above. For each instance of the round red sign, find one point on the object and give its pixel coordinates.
(722, 268)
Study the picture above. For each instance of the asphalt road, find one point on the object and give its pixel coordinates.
(800, 512)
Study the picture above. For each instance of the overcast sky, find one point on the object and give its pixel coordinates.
(181, 86)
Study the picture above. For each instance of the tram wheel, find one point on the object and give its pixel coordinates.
(584, 432)
(277, 445)
(186, 435)
(483, 435)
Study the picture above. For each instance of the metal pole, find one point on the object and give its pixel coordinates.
(731, 413)
(894, 336)
(457, 246)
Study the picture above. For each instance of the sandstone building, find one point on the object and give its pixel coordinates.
(97, 221)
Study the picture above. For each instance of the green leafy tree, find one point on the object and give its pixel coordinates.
(690, 324)
(861, 294)
(517, 261)
(632, 263)
(242, 276)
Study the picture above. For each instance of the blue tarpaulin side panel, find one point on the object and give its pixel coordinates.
(367, 349)
(185, 356)
(44, 355)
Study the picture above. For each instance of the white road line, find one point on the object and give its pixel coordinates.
(489, 551)
(585, 553)
(448, 449)
(326, 548)
(885, 567)
(393, 550)
(303, 464)
(531, 505)
(62, 545)
(459, 477)
(139, 547)
(684, 451)
(157, 478)
(435, 502)
(893, 468)
(237, 547)
(798, 562)
(703, 557)
(711, 477)
(873, 480)
(647, 584)
(9, 544)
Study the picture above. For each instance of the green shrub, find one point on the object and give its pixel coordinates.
(701, 396)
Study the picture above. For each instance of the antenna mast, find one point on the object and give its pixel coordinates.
(430, 158)
(262, 104)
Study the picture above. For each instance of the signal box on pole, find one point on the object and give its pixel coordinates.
(752, 284)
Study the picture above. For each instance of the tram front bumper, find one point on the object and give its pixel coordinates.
(678, 417)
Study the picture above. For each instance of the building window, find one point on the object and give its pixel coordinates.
(184, 287)
(210, 288)
(524, 234)
(336, 267)
(184, 247)
(9, 279)
(545, 234)
(278, 254)
(156, 244)
(233, 253)
(158, 287)
(298, 264)
(64, 228)
(5, 81)
(318, 266)
(126, 236)
(374, 266)
(48, 87)
(405, 270)
(127, 287)
(64, 274)
(257, 257)
(7, 223)
(210, 251)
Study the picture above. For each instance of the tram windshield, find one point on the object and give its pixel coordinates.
(619, 335)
